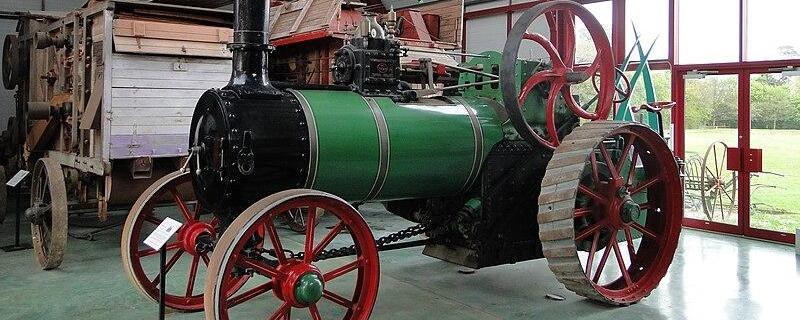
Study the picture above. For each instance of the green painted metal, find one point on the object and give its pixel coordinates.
(348, 143)
(533, 108)
(643, 70)
(431, 145)
(309, 288)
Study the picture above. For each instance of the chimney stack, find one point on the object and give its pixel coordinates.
(250, 45)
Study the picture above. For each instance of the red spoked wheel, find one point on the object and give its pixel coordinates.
(610, 211)
(292, 274)
(187, 252)
(561, 74)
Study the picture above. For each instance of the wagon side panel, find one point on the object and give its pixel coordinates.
(153, 99)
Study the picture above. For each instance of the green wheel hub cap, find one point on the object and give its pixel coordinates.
(308, 288)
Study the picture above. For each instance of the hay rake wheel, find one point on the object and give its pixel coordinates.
(719, 184)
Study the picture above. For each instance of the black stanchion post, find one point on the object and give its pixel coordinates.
(162, 308)
(158, 240)
(17, 246)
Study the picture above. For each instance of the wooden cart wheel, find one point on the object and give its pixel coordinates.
(187, 250)
(293, 277)
(718, 188)
(48, 213)
(10, 67)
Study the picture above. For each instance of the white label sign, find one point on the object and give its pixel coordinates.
(163, 232)
(17, 178)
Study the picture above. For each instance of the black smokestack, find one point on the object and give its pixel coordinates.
(250, 44)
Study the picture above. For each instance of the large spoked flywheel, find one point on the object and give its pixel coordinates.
(610, 211)
(562, 73)
(48, 213)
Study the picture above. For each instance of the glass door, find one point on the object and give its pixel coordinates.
(774, 154)
(711, 104)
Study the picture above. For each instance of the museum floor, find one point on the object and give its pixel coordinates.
(713, 277)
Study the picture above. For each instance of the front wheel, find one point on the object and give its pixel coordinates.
(290, 274)
(188, 250)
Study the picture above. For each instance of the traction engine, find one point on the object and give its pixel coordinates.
(507, 166)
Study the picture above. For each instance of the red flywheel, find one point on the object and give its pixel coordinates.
(562, 74)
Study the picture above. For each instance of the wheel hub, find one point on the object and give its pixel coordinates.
(628, 209)
(302, 284)
(195, 237)
(308, 289)
(36, 213)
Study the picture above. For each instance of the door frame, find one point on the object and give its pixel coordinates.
(744, 72)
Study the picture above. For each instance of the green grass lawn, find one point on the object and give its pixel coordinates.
(775, 200)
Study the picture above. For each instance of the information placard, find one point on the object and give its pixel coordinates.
(17, 178)
(163, 232)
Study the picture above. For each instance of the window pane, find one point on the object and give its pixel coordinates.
(708, 31)
(775, 123)
(486, 33)
(711, 109)
(662, 87)
(585, 50)
(651, 19)
(771, 32)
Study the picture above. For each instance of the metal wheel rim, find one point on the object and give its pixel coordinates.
(563, 227)
(259, 218)
(50, 238)
(141, 213)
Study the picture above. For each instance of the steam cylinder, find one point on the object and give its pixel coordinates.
(359, 148)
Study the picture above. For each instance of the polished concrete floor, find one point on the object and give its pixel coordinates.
(713, 277)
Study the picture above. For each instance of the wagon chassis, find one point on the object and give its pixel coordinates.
(63, 67)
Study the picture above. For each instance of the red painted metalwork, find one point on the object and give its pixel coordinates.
(749, 161)
(284, 271)
(672, 44)
(618, 29)
(613, 186)
(190, 297)
(743, 70)
(561, 75)
(744, 144)
(301, 37)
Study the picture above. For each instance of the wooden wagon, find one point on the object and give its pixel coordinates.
(105, 95)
